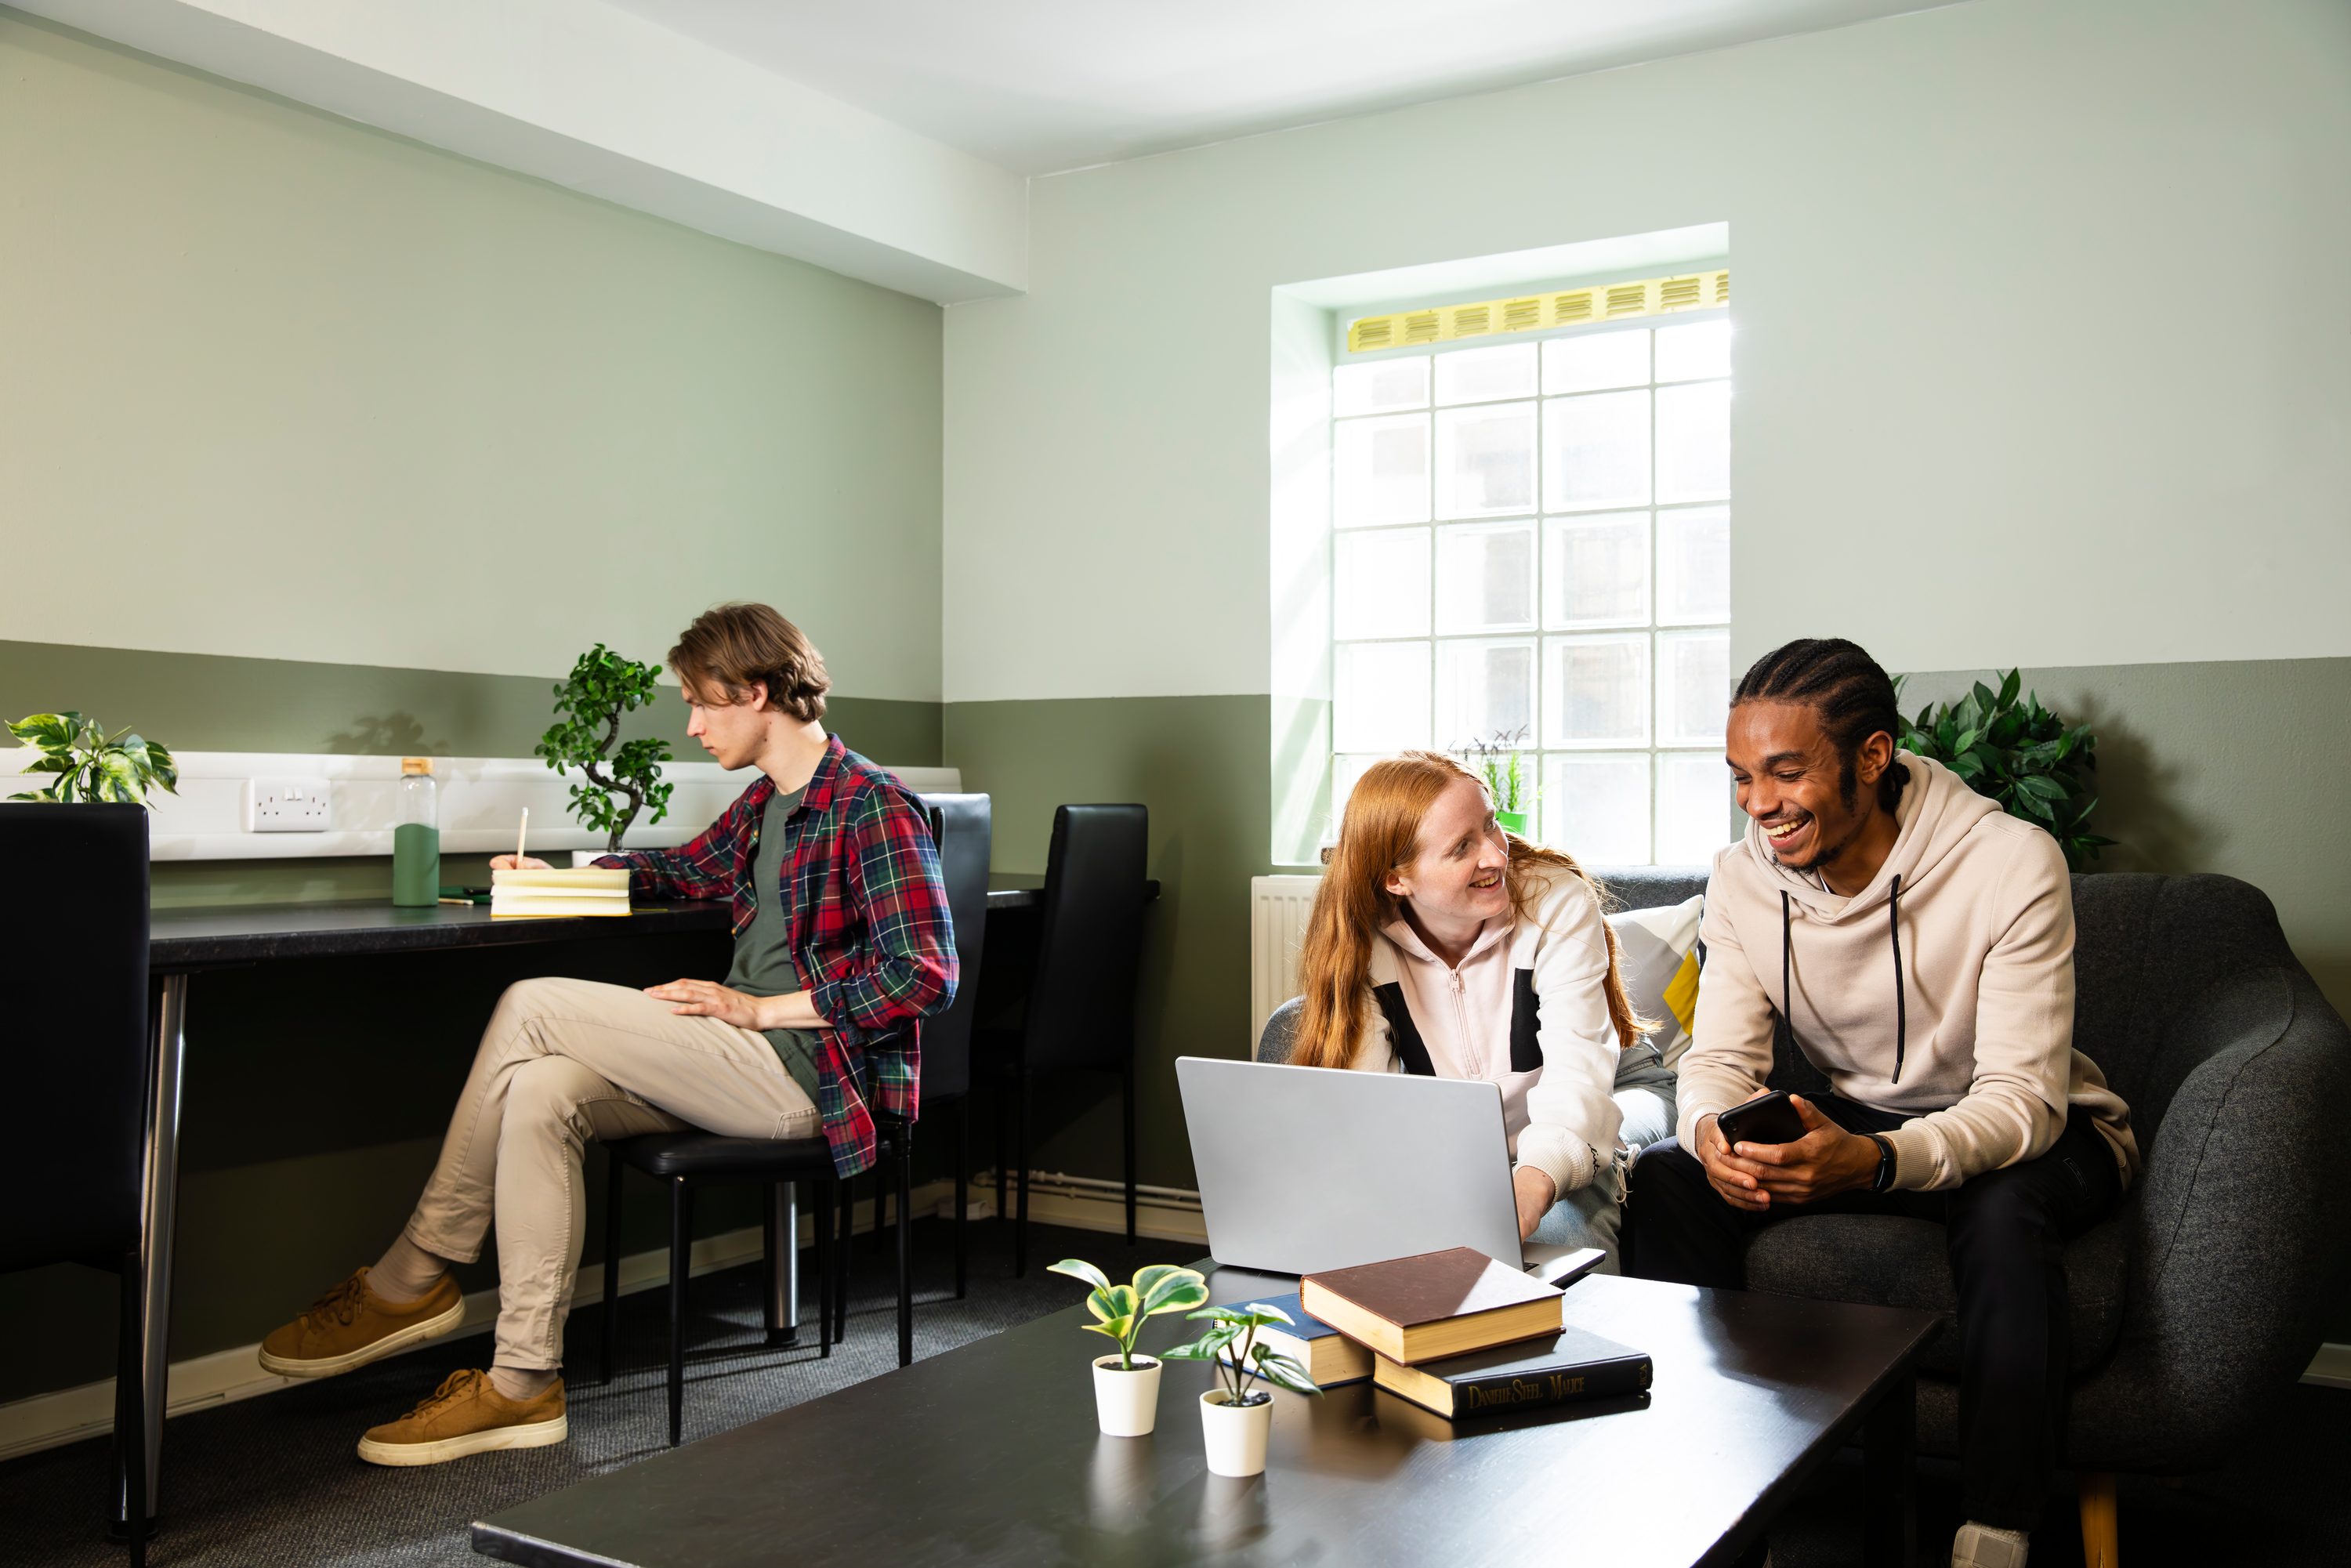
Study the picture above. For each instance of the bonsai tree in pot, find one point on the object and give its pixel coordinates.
(90, 765)
(1126, 1397)
(1235, 1416)
(601, 687)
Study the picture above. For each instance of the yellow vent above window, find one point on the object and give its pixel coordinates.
(1608, 302)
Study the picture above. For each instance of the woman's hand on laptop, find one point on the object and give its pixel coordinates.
(703, 998)
(1536, 1193)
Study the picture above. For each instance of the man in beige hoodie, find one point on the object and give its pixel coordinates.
(1916, 945)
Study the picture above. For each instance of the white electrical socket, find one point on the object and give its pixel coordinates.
(288, 806)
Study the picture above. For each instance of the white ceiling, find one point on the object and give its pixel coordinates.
(1037, 86)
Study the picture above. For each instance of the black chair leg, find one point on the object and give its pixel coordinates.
(822, 1194)
(131, 1410)
(962, 1191)
(681, 1256)
(1003, 1111)
(1021, 1153)
(881, 1209)
(905, 1162)
(615, 1166)
(782, 1273)
(1126, 1082)
(841, 1258)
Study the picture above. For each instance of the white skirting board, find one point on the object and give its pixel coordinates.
(70, 1415)
(479, 801)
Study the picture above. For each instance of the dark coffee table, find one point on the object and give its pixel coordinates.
(989, 1454)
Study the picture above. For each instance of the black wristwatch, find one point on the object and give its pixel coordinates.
(1885, 1163)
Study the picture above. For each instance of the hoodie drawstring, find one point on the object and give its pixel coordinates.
(1787, 961)
(1901, 1006)
(1901, 993)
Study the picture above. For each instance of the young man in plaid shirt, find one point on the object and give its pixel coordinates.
(842, 946)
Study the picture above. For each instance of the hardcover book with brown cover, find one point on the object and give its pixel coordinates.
(1436, 1305)
(1569, 1366)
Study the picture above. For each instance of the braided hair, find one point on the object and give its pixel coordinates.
(1850, 691)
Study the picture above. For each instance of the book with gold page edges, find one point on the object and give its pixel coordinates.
(1432, 1305)
(557, 894)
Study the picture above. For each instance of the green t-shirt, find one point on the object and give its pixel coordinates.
(763, 963)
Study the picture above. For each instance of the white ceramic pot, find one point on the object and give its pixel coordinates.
(1234, 1435)
(586, 857)
(1127, 1403)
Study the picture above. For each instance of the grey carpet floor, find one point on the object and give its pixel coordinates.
(275, 1481)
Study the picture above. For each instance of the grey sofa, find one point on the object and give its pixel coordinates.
(2201, 1300)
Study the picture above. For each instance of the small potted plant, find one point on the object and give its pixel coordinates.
(1501, 766)
(1235, 1418)
(620, 783)
(1126, 1385)
(92, 764)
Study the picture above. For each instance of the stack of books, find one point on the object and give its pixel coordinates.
(541, 894)
(1455, 1332)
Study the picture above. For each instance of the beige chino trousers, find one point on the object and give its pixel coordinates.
(564, 1061)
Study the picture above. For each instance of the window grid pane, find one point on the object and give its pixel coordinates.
(1622, 435)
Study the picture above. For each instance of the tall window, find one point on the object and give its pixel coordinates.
(1531, 539)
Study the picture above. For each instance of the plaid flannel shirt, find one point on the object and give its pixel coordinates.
(869, 928)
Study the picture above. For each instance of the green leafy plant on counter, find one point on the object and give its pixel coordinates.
(601, 687)
(1239, 1359)
(92, 764)
(1120, 1311)
(2019, 754)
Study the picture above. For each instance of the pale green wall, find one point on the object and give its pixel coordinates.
(485, 422)
(273, 384)
(2038, 357)
(2226, 766)
(1199, 764)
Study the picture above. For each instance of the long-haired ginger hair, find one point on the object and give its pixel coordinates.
(1381, 834)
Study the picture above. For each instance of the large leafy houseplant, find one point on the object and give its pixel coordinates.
(2019, 754)
(89, 763)
(623, 778)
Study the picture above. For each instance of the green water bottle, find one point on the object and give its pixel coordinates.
(416, 841)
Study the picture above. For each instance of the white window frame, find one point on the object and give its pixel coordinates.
(1656, 630)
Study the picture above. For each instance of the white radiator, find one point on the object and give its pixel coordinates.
(1277, 909)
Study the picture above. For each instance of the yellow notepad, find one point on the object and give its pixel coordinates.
(556, 893)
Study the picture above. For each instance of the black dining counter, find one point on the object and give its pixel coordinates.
(212, 935)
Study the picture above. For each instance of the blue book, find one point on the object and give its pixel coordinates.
(1328, 1356)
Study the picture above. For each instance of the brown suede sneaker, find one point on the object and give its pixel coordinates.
(351, 1326)
(467, 1414)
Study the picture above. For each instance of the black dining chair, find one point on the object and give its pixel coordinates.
(1080, 1012)
(961, 825)
(686, 1160)
(73, 964)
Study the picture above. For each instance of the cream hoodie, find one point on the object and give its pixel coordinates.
(1526, 1009)
(1985, 995)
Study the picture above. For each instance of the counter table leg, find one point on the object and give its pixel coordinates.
(159, 1199)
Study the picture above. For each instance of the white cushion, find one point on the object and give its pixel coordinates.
(1660, 964)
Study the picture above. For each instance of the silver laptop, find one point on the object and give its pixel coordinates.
(1303, 1169)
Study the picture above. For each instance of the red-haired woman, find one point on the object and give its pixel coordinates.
(1442, 944)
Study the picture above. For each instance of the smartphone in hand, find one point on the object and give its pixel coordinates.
(1768, 1120)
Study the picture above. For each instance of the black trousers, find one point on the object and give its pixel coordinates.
(2006, 1233)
